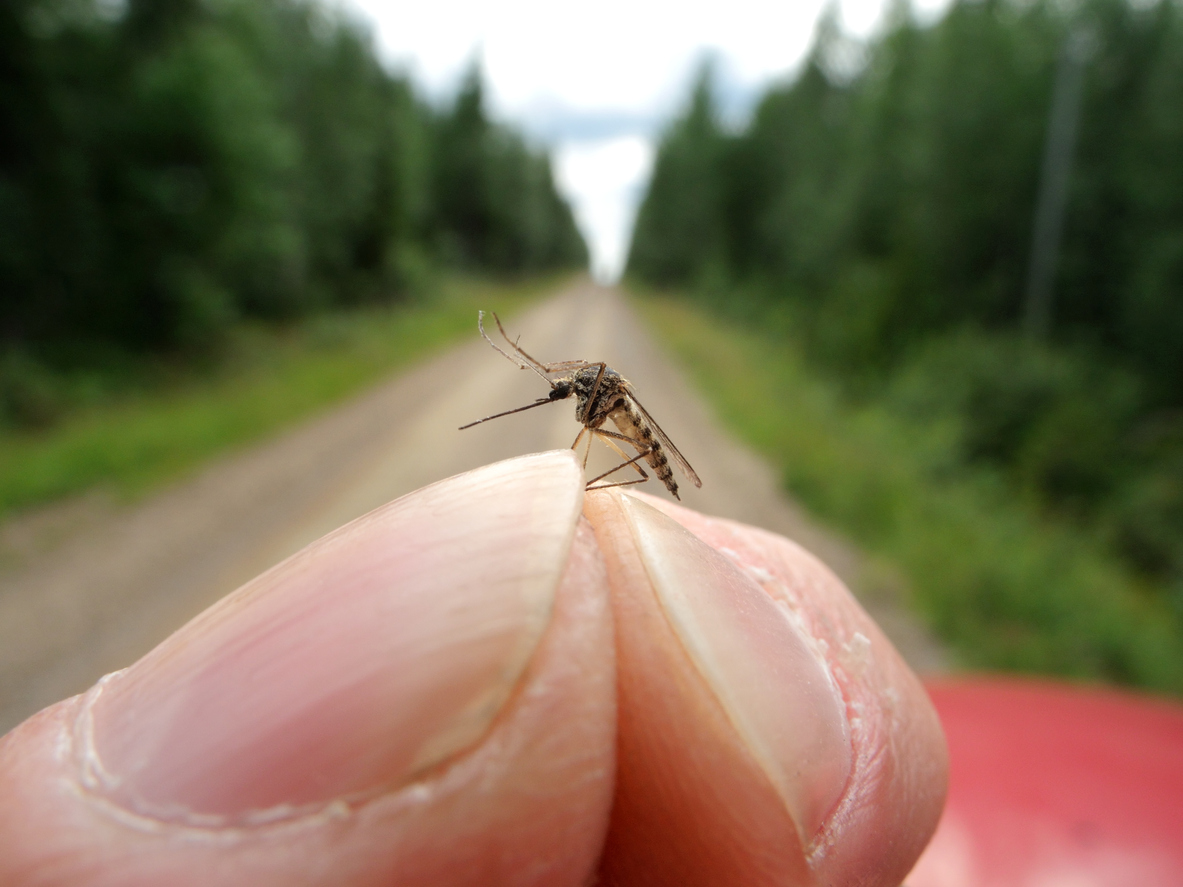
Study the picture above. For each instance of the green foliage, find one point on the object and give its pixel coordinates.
(912, 184)
(678, 231)
(28, 392)
(496, 205)
(881, 215)
(1055, 421)
(169, 168)
(266, 379)
(1008, 588)
(173, 173)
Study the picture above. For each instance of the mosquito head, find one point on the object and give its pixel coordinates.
(562, 389)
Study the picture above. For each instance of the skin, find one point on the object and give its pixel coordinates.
(495, 680)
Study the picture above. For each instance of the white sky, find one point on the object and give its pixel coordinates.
(595, 82)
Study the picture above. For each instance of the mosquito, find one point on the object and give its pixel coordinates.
(601, 393)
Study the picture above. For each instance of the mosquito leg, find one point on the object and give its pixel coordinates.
(566, 365)
(606, 437)
(595, 389)
(575, 446)
(631, 461)
(524, 361)
(535, 363)
(639, 444)
(618, 483)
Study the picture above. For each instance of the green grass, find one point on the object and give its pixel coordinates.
(1006, 588)
(267, 380)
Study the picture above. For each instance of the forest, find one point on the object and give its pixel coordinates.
(170, 168)
(892, 211)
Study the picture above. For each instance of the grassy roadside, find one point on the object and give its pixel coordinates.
(1007, 589)
(267, 380)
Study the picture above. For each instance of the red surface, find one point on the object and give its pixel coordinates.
(1057, 786)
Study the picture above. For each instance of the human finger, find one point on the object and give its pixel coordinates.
(768, 731)
(424, 696)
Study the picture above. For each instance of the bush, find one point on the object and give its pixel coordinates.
(1058, 423)
(1005, 585)
(30, 395)
(169, 168)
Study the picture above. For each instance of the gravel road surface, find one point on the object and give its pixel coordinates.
(87, 586)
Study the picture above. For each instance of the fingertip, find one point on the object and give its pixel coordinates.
(693, 804)
(680, 736)
(899, 775)
(524, 802)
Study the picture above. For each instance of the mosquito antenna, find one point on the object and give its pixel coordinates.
(542, 401)
(528, 363)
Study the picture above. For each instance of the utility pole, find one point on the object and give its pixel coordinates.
(1058, 149)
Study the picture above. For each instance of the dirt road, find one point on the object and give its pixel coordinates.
(88, 587)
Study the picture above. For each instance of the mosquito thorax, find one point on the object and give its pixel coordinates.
(584, 380)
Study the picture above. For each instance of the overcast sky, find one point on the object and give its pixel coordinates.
(595, 82)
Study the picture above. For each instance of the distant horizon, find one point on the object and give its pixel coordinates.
(599, 104)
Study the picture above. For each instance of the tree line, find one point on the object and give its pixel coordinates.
(879, 209)
(169, 167)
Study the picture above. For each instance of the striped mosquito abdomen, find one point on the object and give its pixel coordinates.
(629, 422)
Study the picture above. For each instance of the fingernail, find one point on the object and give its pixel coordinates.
(767, 676)
(375, 653)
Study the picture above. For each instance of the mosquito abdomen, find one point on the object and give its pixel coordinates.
(631, 423)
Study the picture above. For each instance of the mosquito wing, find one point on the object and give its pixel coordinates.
(664, 438)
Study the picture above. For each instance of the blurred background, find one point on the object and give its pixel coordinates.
(969, 234)
(927, 259)
(903, 280)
